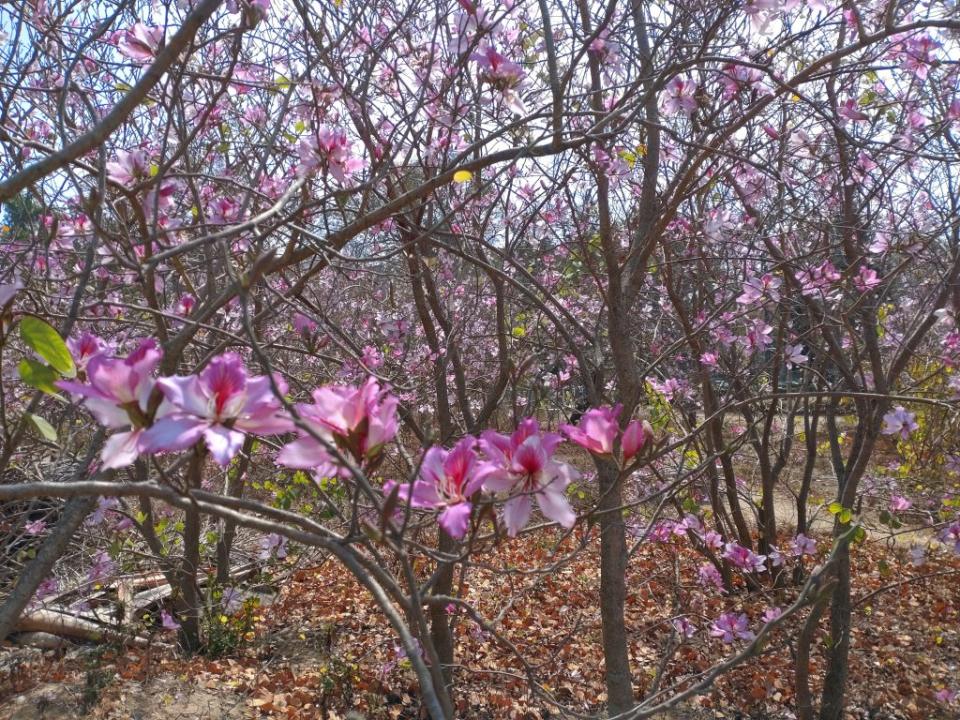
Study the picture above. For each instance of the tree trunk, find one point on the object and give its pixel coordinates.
(441, 634)
(835, 682)
(188, 602)
(613, 591)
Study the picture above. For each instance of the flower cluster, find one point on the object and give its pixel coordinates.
(598, 429)
(520, 465)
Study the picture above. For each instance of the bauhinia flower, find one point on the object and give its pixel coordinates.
(358, 420)
(744, 558)
(597, 430)
(129, 167)
(635, 438)
(899, 421)
(447, 479)
(221, 405)
(140, 43)
(731, 626)
(802, 545)
(117, 392)
(328, 148)
(680, 96)
(522, 464)
(84, 348)
(503, 75)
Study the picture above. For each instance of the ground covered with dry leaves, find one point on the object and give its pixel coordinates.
(321, 650)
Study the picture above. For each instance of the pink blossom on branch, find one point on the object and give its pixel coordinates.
(447, 480)
(680, 96)
(597, 430)
(117, 393)
(899, 421)
(522, 465)
(502, 75)
(220, 405)
(84, 348)
(328, 149)
(358, 420)
(140, 43)
(731, 626)
(635, 438)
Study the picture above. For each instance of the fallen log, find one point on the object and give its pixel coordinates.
(49, 621)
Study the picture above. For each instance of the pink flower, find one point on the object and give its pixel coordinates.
(708, 575)
(273, 545)
(304, 325)
(771, 614)
(793, 355)
(117, 392)
(522, 465)
(128, 167)
(185, 305)
(713, 540)
(685, 629)
(140, 43)
(359, 420)
(802, 545)
(501, 74)
(45, 589)
(36, 527)
(167, 621)
(85, 348)
(680, 96)
(597, 430)
(866, 279)
(758, 335)
(899, 503)
(635, 437)
(899, 421)
(745, 559)
(221, 405)
(731, 626)
(328, 149)
(950, 535)
(947, 696)
(755, 289)
(448, 479)
(850, 111)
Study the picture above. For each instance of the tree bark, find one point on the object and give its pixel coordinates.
(613, 591)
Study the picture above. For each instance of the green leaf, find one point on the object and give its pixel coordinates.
(46, 429)
(834, 508)
(38, 376)
(845, 516)
(47, 343)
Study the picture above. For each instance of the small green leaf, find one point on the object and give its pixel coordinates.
(38, 376)
(47, 343)
(834, 508)
(46, 429)
(846, 515)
